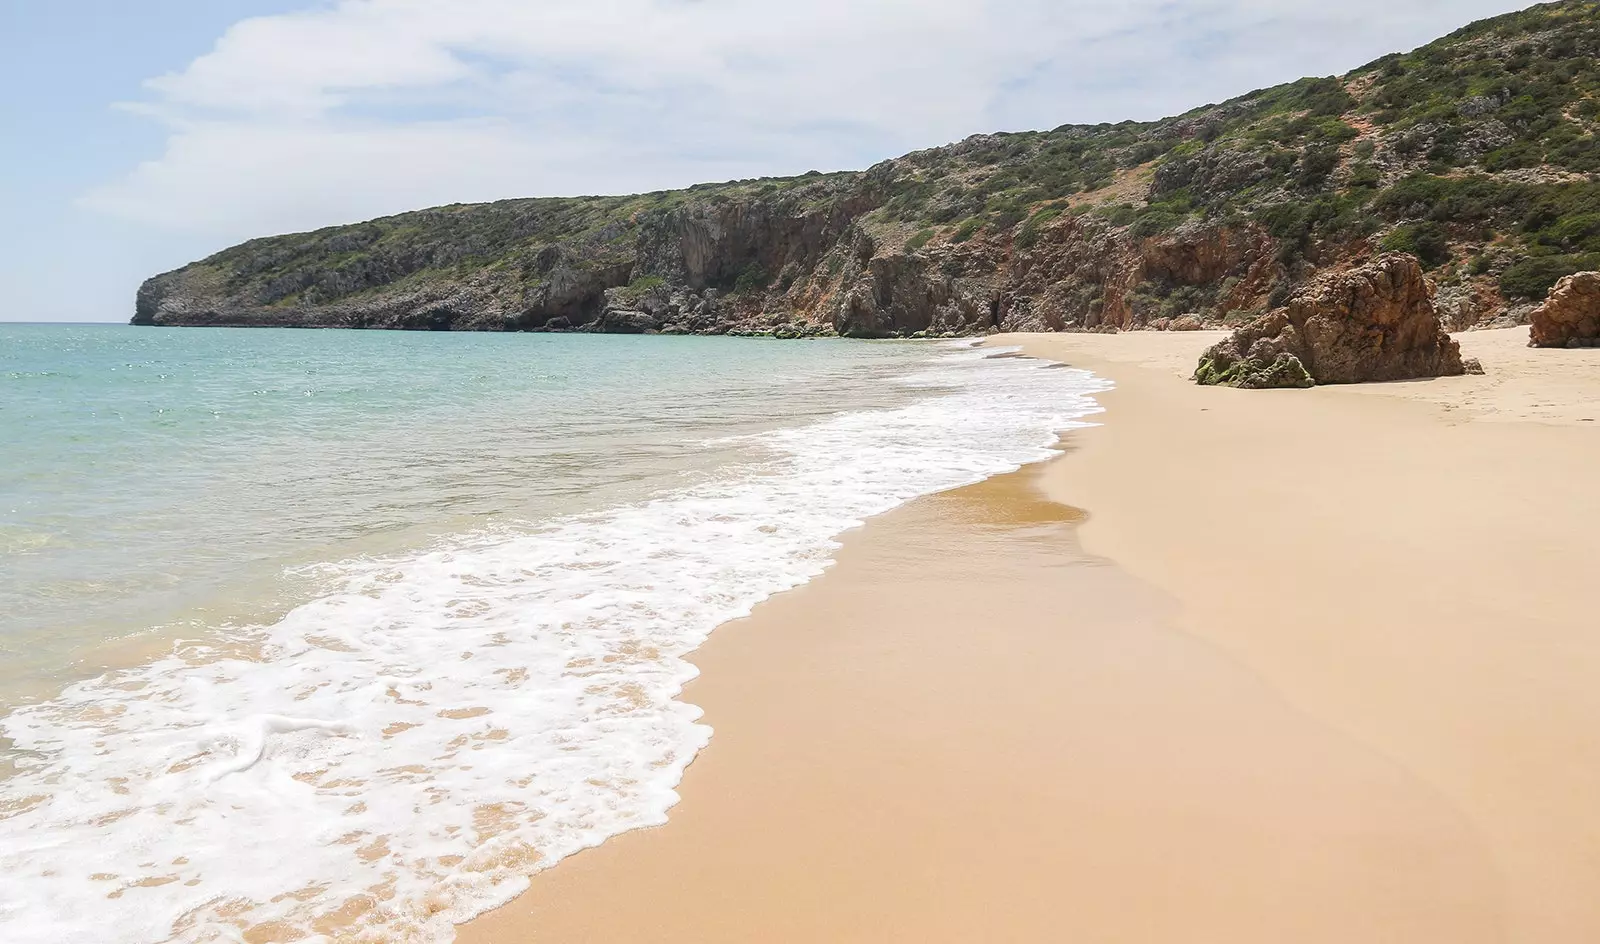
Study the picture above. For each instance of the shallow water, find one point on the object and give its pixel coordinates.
(403, 616)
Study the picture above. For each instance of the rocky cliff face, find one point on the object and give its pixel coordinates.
(1212, 217)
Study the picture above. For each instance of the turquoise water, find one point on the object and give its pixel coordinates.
(155, 477)
(342, 635)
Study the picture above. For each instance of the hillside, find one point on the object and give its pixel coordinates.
(1477, 153)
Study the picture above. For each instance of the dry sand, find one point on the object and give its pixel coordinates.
(1320, 666)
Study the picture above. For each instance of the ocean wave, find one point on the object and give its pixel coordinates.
(402, 754)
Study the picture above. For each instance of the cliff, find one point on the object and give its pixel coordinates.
(1476, 153)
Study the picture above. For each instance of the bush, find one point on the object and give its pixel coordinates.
(1008, 217)
(1474, 199)
(1533, 277)
(919, 240)
(1365, 175)
(1316, 164)
(1320, 97)
(1284, 220)
(1426, 241)
(1579, 232)
(1121, 214)
(966, 230)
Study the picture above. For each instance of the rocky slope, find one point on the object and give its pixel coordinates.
(1477, 154)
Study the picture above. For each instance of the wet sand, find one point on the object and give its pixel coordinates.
(1314, 666)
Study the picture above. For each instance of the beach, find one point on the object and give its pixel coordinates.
(1241, 666)
(468, 604)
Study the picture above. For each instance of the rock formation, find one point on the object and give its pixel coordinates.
(1371, 323)
(1571, 315)
(1260, 355)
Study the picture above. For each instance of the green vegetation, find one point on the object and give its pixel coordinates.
(644, 285)
(1312, 161)
(1533, 277)
(1028, 236)
(1489, 137)
(1427, 241)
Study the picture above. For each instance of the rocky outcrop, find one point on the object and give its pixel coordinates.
(1570, 317)
(1264, 354)
(531, 265)
(899, 294)
(1217, 168)
(1372, 323)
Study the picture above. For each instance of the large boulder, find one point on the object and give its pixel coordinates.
(1570, 317)
(1371, 323)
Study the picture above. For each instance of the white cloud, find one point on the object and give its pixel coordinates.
(377, 106)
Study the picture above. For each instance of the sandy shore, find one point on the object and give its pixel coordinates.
(1316, 666)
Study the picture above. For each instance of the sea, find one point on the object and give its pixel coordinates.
(343, 635)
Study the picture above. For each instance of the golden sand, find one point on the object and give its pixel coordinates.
(1319, 666)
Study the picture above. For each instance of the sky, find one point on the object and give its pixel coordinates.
(139, 135)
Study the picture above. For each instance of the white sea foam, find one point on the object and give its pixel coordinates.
(402, 754)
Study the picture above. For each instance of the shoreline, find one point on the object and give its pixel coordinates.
(861, 787)
(554, 648)
(1318, 696)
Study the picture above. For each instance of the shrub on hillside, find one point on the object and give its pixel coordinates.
(1426, 241)
(1532, 278)
(966, 230)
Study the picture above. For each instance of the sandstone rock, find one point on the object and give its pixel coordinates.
(1186, 323)
(1571, 313)
(1372, 323)
(1259, 355)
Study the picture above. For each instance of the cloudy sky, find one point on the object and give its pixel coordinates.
(141, 134)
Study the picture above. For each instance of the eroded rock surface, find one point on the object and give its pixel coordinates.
(1571, 315)
(1374, 322)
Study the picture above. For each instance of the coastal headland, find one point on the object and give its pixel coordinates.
(1245, 666)
(1476, 153)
